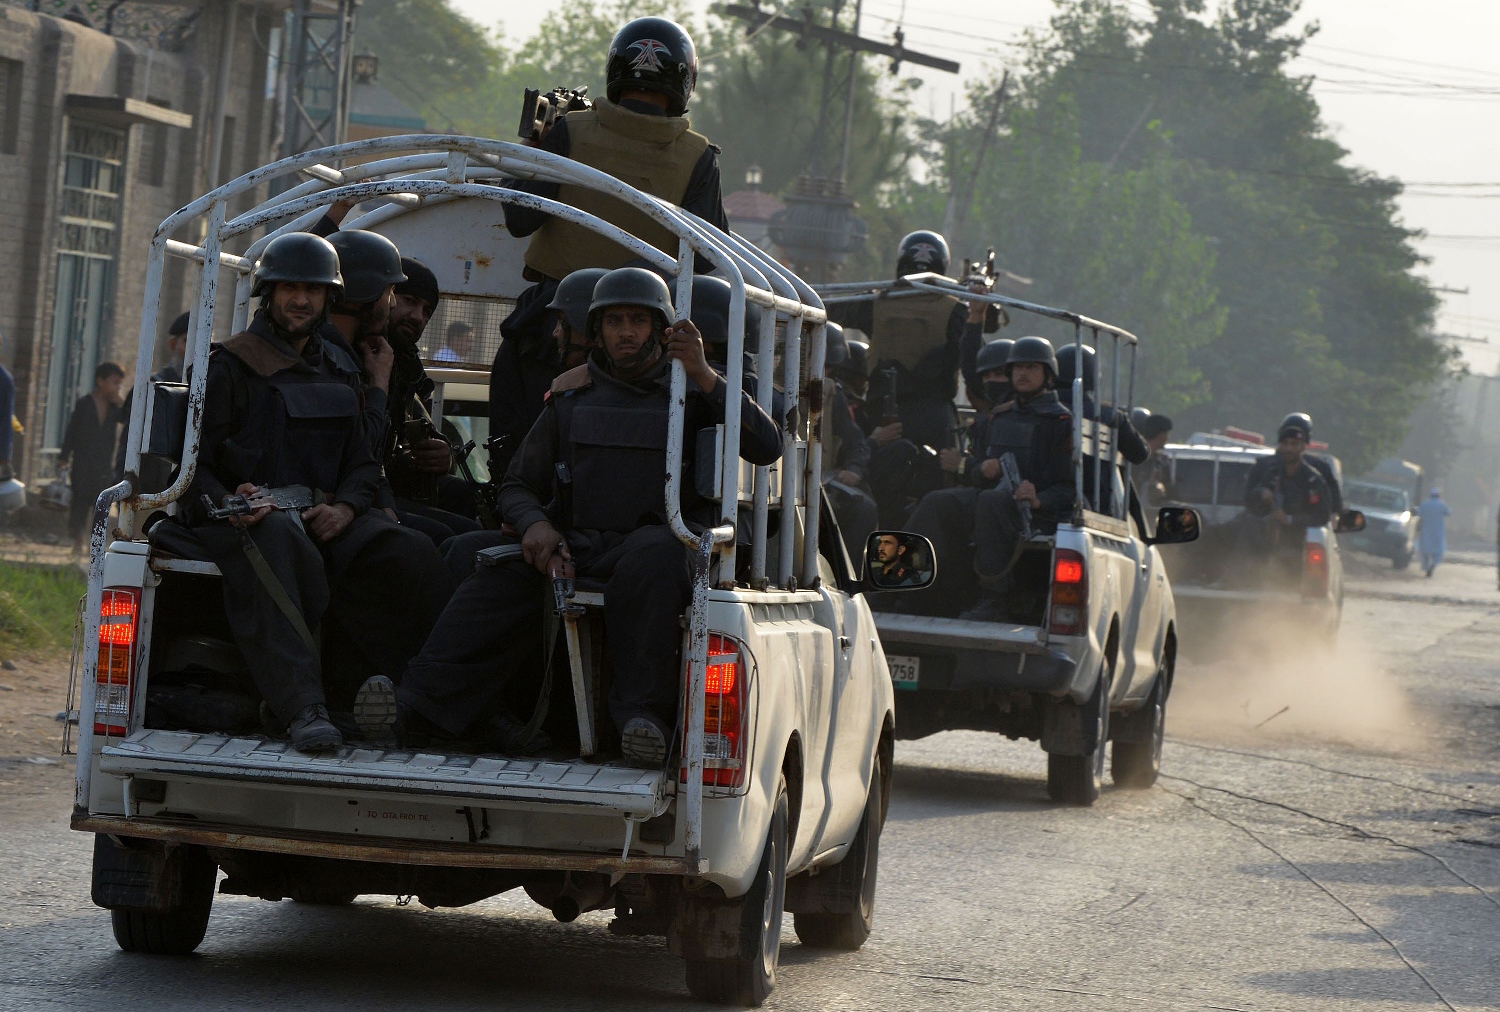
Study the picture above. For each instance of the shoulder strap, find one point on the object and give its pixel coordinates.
(576, 378)
(259, 355)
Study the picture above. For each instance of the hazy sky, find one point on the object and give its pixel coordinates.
(1410, 87)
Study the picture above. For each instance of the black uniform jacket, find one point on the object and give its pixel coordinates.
(272, 417)
(934, 375)
(1046, 462)
(596, 458)
(1303, 493)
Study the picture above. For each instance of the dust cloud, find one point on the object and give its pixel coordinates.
(1282, 687)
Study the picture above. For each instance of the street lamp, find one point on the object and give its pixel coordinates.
(752, 177)
(366, 66)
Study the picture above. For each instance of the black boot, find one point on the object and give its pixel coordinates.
(312, 731)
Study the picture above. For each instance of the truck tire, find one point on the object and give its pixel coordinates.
(852, 887)
(1077, 779)
(749, 978)
(178, 929)
(1136, 764)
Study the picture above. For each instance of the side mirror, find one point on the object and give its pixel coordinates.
(1176, 525)
(895, 560)
(1349, 522)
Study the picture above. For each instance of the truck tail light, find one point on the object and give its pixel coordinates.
(724, 715)
(1070, 594)
(1314, 570)
(119, 622)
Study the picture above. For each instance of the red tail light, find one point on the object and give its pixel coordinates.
(119, 623)
(1314, 570)
(1070, 594)
(724, 715)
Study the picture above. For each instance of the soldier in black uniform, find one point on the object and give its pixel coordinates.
(1133, 448)
(585, 491)
(1319, 462)
(1032, 425)
(638, 133)
(846, 454)
(279, 411)
(1285, 493)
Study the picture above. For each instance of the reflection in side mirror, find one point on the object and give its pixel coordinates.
(1176, 525)
(895, 560)
(1350, 522)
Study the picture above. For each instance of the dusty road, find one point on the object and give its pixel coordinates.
(1328, 837)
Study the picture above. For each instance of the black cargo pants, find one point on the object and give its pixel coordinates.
(487, 648)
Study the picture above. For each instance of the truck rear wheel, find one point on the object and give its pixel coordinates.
(747, 979)
(178, 929)
(1138, 763)
(849, 885)
(1077, 779)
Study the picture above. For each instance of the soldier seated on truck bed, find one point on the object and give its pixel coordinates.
(585, 490)
(1284, 495)
(280, 411)
(1034, 427)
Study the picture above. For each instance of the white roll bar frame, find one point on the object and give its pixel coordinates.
(454, 167)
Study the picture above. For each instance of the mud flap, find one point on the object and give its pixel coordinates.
(1070, 728)
(706, 925)
(142, 875)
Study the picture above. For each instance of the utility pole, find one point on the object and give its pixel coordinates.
(319, 57)
(959, 207)
(818, 228)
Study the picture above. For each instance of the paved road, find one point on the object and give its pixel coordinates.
(1328, 837)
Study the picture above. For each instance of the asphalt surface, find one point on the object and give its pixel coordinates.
(1326, 836)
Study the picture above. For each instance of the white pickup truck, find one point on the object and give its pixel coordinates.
(780, 793)
(1089, 659)
(1302, 584)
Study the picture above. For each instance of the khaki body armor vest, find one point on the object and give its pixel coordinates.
(907, 330)
(654, 154)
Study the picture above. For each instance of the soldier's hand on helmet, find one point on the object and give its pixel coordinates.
(684, 344)
(951, 460)
(540, 543)
(990, 469)
(432, 456)
(339, 209)
(884, 435)
(379, 360)
(848, 477)
(1026, 493)
(327, 521)
(247, 489)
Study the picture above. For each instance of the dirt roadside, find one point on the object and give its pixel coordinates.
(34, 776)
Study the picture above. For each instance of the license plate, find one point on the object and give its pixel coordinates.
(904, 671)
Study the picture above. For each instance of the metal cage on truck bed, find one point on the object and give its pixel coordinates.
(413, 173)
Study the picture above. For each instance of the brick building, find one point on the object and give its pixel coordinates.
(112, 115)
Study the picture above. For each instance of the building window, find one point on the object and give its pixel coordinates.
(226, 153)
(10, 105)
(93, 174)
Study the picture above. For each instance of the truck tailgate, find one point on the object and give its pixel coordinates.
(927, 630)
(550, 785)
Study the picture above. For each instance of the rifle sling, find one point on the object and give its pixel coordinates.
(274, 587)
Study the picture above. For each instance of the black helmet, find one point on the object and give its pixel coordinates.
(300, 257)
(920, 252)
(652, 54)
(1297, 422)
(710, 312)
(574, 294)
(370, 262)
(631, 286)
(1138, 417)
(180, 325)
(858, 362)
(992, 356)
(1034, 349)
(836, 349)
(1067, 369)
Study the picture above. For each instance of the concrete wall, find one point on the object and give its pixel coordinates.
(165, 168)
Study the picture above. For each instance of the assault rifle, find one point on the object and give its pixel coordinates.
(1010, 481)
(294, 498)
(539, 111)
(984, 272)
(485, 502)
(890, 407)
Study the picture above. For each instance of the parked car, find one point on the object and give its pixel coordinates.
(1390, 524)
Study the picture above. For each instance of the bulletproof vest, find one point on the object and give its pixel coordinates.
(654, 154)
(1013, 431)
(614, 444)
(907, 330)
(299, 422)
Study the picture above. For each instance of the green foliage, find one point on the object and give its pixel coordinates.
(38, 607)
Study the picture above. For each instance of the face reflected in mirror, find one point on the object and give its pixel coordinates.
(1176, 525)
(895, 560)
